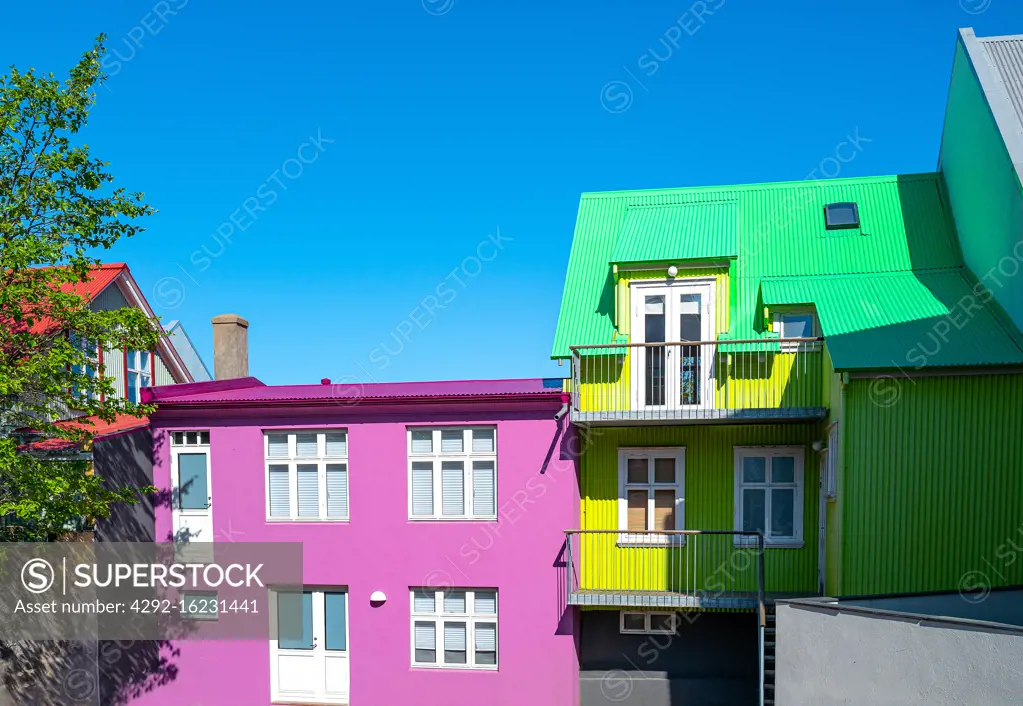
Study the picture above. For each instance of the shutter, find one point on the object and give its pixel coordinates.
(452, 488)
(422, 441)
(424, 601)
(277, 445)
(305, 445)
(337, 490)
(426, 636)
(422, 489)
(483, 441)
(485, 603)
(483, 489)
(337, 444)
(454, 602)
(486, 643)
(486, 637)
(454, 643)
(308, 491)
(451, 441)
(280, 497)
(426, 642)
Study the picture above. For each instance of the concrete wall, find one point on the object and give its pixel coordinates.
(829, 657)
(381, 549)
(1000, 606)
(710, 660)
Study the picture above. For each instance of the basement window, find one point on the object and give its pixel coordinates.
(841, 215)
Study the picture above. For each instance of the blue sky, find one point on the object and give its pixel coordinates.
(387, 190)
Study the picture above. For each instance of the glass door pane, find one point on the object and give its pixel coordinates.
(690, 318)
(193, 492)
(654, 321)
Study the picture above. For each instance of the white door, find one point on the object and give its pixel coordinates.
(673, 377)
(309, 658)
(191, 486)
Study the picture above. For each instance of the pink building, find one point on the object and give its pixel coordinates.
(432, 519)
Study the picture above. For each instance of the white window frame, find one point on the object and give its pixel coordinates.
(438, 457)
(798, 484)
(648, 623)
(830, 463)
(679, 486)
(470, 618)
(815, 326)
(139, 373)
(321, 461)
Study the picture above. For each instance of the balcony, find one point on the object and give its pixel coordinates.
(698, 382)
(670, 569)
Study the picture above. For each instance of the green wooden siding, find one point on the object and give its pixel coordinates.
(709, 488)
(932, 489)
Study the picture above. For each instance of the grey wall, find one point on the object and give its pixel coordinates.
(824, 657)
(710, 661)
(996, 606)
(126, 460)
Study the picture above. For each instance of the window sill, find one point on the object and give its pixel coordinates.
(308, 520)
(453, 519)
(454, 668)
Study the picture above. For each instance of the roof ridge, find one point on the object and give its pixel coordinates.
(887, 178)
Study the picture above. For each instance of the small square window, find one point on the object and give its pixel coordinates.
(841, 215)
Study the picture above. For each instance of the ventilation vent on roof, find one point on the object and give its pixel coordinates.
(841, 215)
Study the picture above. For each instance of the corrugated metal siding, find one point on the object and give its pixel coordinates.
(932, 491)
(113, 367)
(163, 375)
(834, 394)
(1006, 54)
(988, 211)
(109, 299)
(670, 233)
(709, 486)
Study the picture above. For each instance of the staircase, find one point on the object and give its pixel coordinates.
(769, 643)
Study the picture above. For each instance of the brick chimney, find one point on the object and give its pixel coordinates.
(230, 347)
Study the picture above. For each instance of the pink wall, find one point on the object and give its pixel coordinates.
(380, 549)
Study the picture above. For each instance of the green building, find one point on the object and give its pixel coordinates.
(835, 366)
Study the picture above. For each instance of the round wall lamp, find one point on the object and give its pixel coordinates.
(672, 271)
(377, 598)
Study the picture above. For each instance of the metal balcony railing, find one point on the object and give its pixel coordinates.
(698, 381)
(669, 569)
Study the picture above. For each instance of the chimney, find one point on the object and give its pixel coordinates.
(230, 347)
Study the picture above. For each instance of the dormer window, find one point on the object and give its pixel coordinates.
(841, 215)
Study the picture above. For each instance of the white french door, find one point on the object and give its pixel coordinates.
(192, 495)
(309, 657)
(672, 376)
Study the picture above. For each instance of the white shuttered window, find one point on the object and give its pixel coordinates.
(454, 628)
(307, 475)
(452, 473)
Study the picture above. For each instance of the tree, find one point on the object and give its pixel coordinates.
(57, 204)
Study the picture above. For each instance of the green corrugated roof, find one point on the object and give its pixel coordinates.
(900, 319)
(906, 229)
(695, 231)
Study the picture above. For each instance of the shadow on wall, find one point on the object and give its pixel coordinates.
(126, 461)
(84, 673)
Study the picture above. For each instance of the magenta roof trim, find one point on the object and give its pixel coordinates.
(162, 392)
(255, 391)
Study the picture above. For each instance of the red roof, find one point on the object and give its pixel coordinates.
(99, 278)
(99, 429)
